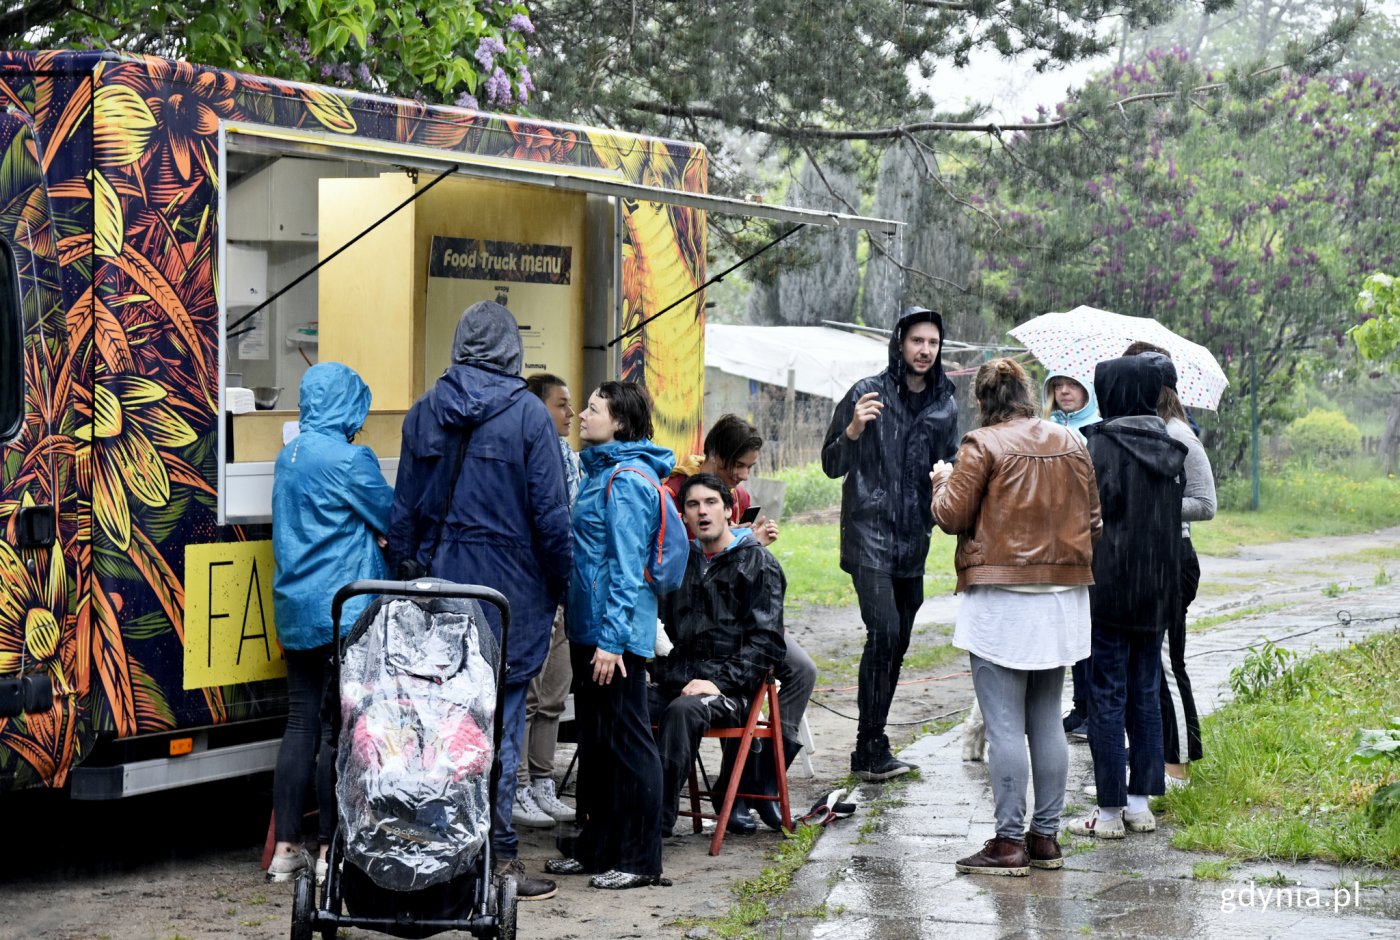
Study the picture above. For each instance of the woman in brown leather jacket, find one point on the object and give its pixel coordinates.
(1022, 501)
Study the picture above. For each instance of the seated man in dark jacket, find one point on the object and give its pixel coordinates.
(726, 624)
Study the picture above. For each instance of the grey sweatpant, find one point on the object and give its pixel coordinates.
(1021, 706)
(545, 705)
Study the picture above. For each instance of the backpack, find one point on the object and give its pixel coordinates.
(666, 564)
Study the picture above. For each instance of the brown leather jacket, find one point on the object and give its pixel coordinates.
(1023, 503)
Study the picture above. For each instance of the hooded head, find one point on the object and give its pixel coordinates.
(334, 400)
(1129, 385)
(488, 336)
(1086, 414)
(899, 368)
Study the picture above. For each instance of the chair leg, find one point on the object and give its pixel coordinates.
(775, 728)
(696, 823)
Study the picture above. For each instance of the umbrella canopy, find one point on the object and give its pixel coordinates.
(1076, 341)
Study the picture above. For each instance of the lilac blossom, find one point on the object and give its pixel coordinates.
(487, 50)
(521, 24)
(498, 88)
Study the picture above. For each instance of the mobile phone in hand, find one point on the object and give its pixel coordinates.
(750, 515)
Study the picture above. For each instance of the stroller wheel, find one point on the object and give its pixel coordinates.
(505, 909)
(303, 903)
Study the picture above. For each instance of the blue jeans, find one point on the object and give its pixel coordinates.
(1125, 673)
(306, 748)
(503, 839)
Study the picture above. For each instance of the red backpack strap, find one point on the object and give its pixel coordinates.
(661, 530)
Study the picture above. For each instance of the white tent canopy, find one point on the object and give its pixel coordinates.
(825, 362)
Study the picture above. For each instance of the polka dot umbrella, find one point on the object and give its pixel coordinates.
(1076, 341)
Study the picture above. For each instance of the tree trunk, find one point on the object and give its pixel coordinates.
(1390, 441)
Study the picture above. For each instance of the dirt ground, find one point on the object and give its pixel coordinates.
(185, 865)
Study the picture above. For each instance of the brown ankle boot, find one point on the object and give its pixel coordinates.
(998, 857)
(1044, 851)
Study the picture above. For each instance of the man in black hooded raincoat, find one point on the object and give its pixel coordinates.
(885, 435)
(1138, 467)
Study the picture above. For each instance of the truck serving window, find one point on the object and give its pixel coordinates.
(11, 348)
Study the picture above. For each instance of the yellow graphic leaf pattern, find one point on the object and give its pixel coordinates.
(108, 226)
(106, 412)
(166, 587)
(165, 426)
(330, 110)
(109, 503)
(149, 279)
(137, 462)
(122, 126)
(137, 389)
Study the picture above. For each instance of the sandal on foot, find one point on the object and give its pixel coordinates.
(614, 880)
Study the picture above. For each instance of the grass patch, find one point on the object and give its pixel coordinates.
(1277, 782)
(1214, 870)
(811, 559)
(1299, 503)
(1229, 616)
(755, 895)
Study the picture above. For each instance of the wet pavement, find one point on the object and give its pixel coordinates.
(887, 872)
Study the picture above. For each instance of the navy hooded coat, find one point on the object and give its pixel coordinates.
(507, 523)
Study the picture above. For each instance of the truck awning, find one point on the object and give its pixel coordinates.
(261, 137)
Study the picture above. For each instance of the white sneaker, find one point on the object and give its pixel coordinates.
(1142, 821)
(1176, 783)
(542, 790)
(527, 812)
(286, 865)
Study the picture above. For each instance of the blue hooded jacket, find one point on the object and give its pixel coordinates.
(611, 606)
(1077, 420)
(329, 499)
(507, 524)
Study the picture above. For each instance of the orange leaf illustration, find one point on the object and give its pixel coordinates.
(109, 655)
(110, 338)
(166, 587)
(150, 280)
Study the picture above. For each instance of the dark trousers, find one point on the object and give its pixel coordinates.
(619, 770)
(1125, 671)
(887, 605)
(306, 748)
(1180, 721)
(680, 721)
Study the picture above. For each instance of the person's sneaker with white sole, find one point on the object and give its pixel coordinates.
(1140, 821)
(542, 789)
(1099, 825)
(286, 865)
(527, 812)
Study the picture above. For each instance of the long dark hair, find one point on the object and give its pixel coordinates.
(630, 406)
(1003, 392)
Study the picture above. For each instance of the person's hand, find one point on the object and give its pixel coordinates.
(603, 665)
(942, 468)
(701, 687)
(766, 531)
(383, 542)
(868, 408)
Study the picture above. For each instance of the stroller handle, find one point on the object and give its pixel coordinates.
(420, 588)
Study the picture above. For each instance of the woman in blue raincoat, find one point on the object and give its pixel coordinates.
(611, 625)
(330, 504)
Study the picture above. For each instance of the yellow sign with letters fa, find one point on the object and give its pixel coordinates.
(229, 636)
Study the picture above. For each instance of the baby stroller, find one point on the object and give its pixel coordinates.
(416, 726)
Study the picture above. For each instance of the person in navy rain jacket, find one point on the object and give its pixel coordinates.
(480, 433)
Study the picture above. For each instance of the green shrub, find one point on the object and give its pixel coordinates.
(1323, 437)
(808, 488)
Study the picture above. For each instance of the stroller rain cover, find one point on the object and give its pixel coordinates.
(417, 698)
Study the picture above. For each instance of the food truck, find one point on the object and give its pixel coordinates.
(177, 245)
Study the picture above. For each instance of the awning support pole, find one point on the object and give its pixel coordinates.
(714, 280)
(328, 258)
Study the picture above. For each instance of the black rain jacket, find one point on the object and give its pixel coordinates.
(886, 521)
(726, 620)
(1139, 469)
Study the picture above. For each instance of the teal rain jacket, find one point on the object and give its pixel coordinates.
(1077, 420)
(329, 499)
(611, 606)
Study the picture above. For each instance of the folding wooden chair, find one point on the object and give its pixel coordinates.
(757, 727)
